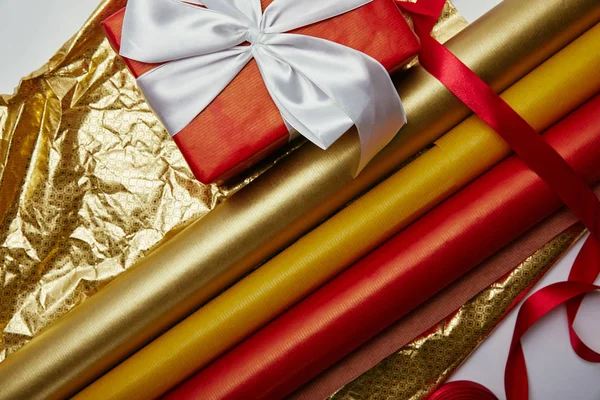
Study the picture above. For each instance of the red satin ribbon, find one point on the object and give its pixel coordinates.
(532, 310)
(463, 390)
(543, 160)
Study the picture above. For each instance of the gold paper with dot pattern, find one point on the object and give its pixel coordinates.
(89, 182)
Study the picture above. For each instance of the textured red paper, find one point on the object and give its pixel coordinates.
(400, 275)
(243, 125)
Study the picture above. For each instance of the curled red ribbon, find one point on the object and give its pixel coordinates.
(463, 390)
(551, 167)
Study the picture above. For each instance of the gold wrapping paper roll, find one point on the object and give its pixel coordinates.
(278, 207)
(543, 97)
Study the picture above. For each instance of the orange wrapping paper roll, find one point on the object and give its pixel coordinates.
(457, 158)
(269, 214)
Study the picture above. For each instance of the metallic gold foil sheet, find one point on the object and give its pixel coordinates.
(90, 181)
(418, 368)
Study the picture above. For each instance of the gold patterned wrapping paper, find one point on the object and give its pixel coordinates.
(417, 369)
(90, 181)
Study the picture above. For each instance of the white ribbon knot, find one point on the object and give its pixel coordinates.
(254, 36)
(320, 87)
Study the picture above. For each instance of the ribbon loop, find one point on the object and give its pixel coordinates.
(321, 88)
(246, 10)
(175, 100)
(149, 29)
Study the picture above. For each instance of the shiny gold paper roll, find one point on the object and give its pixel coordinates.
(274, 210)
(543, 97)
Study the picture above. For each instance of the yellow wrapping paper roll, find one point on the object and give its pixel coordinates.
(543, 97)
(274, 210)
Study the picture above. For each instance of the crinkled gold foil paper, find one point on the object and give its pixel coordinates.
(90, 181)
(418, 368)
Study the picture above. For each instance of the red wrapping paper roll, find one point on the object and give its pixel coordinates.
(400, 275)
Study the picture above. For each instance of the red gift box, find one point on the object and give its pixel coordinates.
(243, 125)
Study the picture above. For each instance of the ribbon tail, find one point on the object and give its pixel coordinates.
(303, 106)
(532, 310)
(322, 88)
(180, 90)
(585, 269)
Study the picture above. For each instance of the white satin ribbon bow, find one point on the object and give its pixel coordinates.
(320, 87)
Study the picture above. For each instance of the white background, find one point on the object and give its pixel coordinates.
(32, 30)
